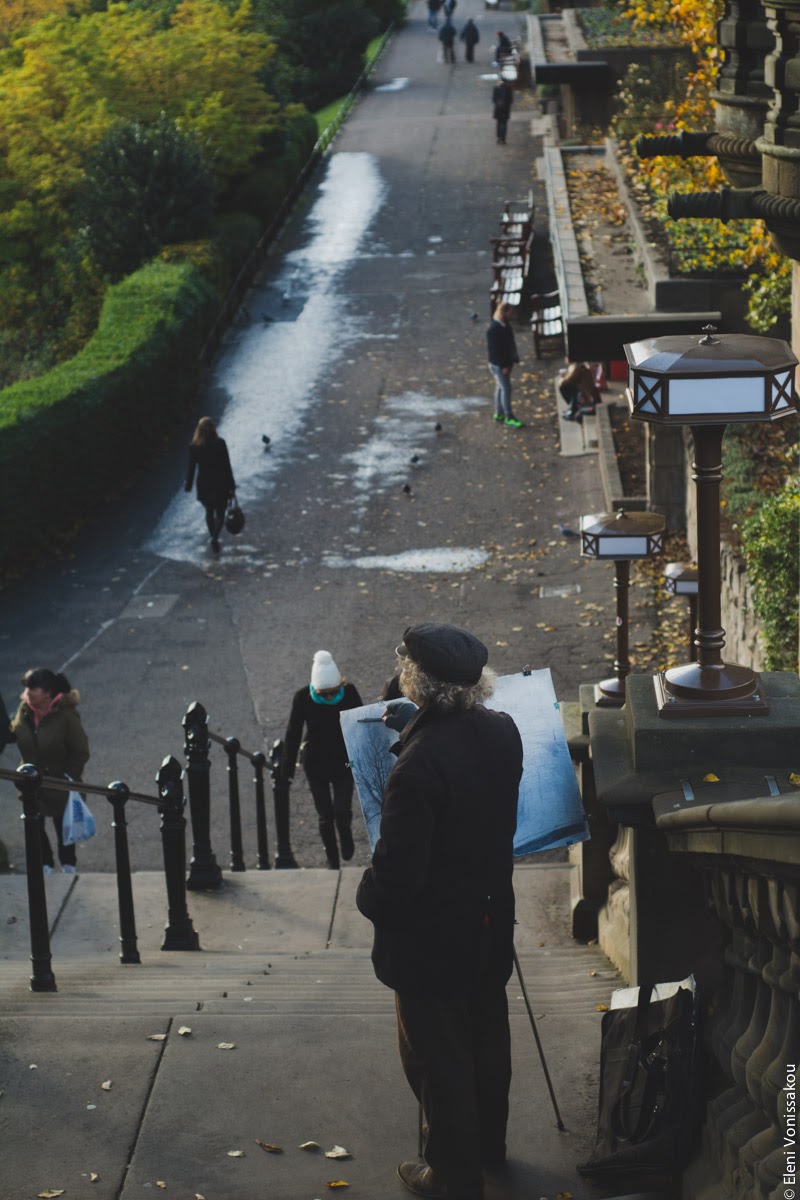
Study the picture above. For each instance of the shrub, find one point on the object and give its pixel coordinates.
(145, 186)
(95, 420)
(771, 539)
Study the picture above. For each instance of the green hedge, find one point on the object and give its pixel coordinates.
(90, 423)
(771, 543)
(67, 438)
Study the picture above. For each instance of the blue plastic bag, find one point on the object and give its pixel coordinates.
(78, 823)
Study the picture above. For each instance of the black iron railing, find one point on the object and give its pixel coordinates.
(204, 872)
(179, 934)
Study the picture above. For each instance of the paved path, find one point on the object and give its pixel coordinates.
(364, 335)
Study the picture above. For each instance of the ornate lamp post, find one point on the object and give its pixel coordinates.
(623, 538)
(680, 579)
(706, 383)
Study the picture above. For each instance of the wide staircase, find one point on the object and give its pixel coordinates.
(182, 1073)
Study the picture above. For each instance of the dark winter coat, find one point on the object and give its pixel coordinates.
(443, 862)
(447, 34)
(58, 747)
(469, 34)
(502, 99)
(501, 345)
(324, 751)
(215, 481)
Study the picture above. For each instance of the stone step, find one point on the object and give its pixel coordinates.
(558, 983)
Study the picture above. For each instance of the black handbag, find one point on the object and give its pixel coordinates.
(648, 1106)
(234, 517)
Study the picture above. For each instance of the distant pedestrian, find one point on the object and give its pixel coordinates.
(322, 754)
(580, 391)
(208, 455)
(447, 36)
(433, 14)
(503, 48)
(502, 99)
(470, 37)
(49, 734)
(502, 352)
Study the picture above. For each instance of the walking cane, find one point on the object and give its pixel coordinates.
(559, 1123)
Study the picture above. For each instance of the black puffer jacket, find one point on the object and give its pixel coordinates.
(444, 859)
(501, 345)
(324, 751)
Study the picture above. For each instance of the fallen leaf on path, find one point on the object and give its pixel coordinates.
(236, 1154)
(601, 1008)
(338, 1152)
(49, 1193)
(106, 1086)
(711, 778)
(156, 1037)
(334, 1183)
(309, 1146)
(93, 1177)
(270, 1149)
(794, 779)
(184, 1031)
(226, 1045)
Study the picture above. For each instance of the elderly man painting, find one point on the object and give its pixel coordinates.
(439, 893)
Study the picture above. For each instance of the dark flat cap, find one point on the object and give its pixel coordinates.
(447, 652)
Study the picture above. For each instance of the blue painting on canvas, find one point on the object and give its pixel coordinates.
(549, 813)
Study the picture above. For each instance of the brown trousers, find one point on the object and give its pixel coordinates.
(456, 1053)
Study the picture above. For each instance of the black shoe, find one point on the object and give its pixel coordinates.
(215, 545)
(420, 1180)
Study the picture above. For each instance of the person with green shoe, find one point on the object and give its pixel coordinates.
(502, 352)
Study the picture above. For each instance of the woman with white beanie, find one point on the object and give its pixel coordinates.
(323, 755)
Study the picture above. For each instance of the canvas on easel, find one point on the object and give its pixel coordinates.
(549, 810)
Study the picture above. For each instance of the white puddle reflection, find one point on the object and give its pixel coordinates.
(444, 559)
(396, 85)
(404, 430)
(272, 371)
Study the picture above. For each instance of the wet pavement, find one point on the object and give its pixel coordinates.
(386, 494)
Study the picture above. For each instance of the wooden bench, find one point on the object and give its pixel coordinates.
(511, 260)
(547, 321)
(517, 218)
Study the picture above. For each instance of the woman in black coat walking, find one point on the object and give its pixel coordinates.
(208, 455)
(323, 754)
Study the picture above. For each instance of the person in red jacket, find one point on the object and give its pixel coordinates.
(323, 755)
(439, 893)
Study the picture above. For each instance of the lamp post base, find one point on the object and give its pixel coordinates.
(694, 690)
(610, 693)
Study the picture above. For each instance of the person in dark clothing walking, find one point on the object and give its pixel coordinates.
(447, 36)
(440, 895)
(501, 346)
(323, 755)
(433, 14)
(208, 455)
(502, 99)
(470, 37)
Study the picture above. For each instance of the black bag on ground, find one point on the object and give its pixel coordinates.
(234, 517)
(648, 1100)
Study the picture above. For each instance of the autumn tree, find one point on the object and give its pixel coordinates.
(145, 186)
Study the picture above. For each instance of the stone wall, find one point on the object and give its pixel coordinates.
(743, 636)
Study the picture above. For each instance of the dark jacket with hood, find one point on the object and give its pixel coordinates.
(443, 863)
(58, 747)
(324, 751)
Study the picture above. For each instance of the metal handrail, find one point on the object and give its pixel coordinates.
(179, 932)
(204, 872)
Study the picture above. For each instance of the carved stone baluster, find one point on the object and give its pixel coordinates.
(748, 1119)
(765, 1097)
